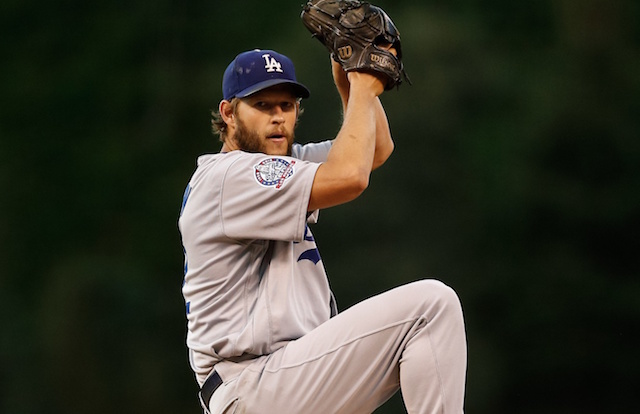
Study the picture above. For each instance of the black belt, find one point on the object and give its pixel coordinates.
(209, 387)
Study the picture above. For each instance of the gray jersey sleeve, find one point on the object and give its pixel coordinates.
(314, 152)
(266, 197)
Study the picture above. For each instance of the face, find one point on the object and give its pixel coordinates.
(265, 121)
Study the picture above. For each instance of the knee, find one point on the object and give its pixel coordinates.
(433, 292)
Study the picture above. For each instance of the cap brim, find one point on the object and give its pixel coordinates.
(300, 90)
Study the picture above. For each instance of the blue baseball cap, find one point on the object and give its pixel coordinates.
(257, 69)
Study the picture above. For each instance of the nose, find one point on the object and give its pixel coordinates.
(277, 115)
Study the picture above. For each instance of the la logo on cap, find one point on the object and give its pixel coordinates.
(271, 64)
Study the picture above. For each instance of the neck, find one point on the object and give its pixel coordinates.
(228, 147)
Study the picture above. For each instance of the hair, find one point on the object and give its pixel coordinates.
(218, 126)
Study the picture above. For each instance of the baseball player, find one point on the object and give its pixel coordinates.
(264, 335)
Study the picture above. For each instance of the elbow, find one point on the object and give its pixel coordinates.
(383, 154)
(361, 185)
(388, 151)
(331, 188)
(357, 183)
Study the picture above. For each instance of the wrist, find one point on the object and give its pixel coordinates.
(363, 81)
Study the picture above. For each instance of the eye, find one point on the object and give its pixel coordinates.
(287, 106)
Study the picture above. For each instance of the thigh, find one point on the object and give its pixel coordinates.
(347, 365)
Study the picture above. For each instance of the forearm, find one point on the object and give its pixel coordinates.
(355, 144)
(345, 174)
(384, 142)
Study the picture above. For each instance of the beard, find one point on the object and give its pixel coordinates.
(250, 141)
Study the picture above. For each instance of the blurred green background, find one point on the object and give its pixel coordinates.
(516, 180)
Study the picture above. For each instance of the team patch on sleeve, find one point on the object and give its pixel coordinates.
(273, 172)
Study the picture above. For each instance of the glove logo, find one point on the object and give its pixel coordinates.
(383, 61)
(271, 64)
(345, 52)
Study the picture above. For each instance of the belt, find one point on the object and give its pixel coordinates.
(208, 388)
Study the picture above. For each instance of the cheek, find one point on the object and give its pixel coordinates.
(292, 119)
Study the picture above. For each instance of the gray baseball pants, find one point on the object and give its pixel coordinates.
(410, 338)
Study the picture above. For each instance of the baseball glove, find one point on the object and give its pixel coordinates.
(358, 35)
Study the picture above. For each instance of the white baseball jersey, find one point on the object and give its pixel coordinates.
(254, 279)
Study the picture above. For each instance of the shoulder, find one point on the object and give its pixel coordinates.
(314, 151)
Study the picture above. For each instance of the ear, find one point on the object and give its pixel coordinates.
(226, 113)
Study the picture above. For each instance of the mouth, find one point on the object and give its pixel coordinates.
(276, 136)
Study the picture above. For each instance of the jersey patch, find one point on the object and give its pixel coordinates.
(273, 172)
